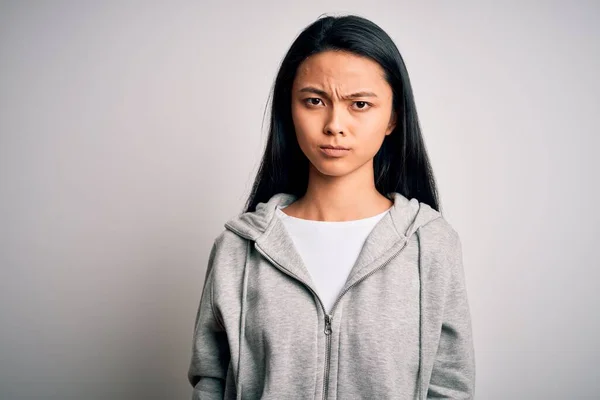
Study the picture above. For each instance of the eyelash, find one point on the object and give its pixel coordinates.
(306, 101)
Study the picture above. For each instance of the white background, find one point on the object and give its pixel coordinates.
(130, 132)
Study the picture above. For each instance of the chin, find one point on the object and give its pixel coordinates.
(333, 169)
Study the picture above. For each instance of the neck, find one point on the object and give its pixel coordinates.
(346, 198)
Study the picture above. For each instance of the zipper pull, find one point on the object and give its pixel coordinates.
(328, 319)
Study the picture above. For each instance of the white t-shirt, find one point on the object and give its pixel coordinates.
(328, 249)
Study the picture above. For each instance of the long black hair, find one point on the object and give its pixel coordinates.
(401, 164)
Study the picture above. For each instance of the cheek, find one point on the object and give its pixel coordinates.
(306, 128)
(371, 135)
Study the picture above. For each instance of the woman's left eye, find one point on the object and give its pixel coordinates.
(363, 104)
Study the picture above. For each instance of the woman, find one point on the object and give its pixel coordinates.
(341, 279)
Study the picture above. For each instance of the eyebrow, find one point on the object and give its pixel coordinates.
(310, 89)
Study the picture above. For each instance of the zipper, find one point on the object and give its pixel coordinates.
(328, 317)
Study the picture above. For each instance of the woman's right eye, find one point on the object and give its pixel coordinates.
(311, 101)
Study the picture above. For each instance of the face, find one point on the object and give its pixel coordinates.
(341, 99)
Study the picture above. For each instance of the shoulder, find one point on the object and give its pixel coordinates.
(440, 239)
(440, 229)
(228, 240)
(228, 255)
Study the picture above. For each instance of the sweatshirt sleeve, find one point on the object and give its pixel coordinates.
(453, 375)
(210, 350)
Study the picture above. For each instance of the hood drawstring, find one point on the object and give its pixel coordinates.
(242, 322)
(420, 395)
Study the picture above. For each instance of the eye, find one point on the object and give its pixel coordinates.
(362, 105)
(310, 101)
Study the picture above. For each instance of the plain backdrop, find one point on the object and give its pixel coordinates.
(131, 131)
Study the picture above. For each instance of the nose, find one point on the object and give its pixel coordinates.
(334, 124)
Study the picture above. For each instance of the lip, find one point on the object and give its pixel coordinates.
(334, 152)
(330, 146)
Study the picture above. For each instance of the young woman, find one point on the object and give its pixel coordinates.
(341, 279)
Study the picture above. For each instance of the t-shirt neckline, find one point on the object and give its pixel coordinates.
(337, 223)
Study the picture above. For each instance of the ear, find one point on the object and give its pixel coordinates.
(392, 123)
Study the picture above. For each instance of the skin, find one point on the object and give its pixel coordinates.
(341, 189)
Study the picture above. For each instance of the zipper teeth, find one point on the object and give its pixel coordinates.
(326, 380)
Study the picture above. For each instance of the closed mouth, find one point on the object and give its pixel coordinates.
(334, 147)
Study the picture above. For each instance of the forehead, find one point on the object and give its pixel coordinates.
(336, 68)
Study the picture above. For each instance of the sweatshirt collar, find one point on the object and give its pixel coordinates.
(388, 236)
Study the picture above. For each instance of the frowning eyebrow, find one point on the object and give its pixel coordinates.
(310, 89)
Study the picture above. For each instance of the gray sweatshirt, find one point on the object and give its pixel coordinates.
(399, 329)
